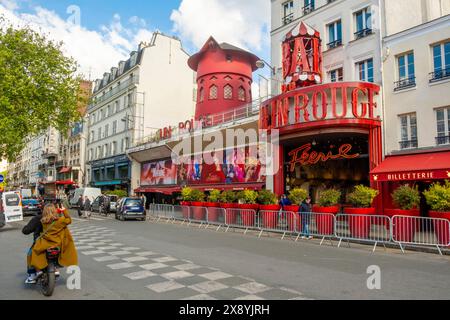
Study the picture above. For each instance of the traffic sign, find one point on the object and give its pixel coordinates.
(2, 178)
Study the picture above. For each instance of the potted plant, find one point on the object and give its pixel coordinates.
(213, 202)
(247, 204)
(407, 201)
(227, 199)
(213, 199)
(269, 206)
(296, 196)
(228, 202)
(361, 199)
(199, 212)
(186, 196)
(438, 198)
(327, 207)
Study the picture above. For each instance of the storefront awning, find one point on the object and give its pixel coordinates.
(65, 170)
(163, 190)
(236, 186)
(413, 167)
(64, 182)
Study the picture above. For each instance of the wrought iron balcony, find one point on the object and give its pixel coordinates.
(363, 33)
(125, 85)
(405, 83)
(308, 8)
(334, 44)
(442, 140)
(439, 75)
(288, 19)
(408, 144)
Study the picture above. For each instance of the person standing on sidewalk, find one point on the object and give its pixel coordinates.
(87, 208)
(305, 216)
(80, 206)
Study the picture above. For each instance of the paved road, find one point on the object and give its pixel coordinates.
(147, 260)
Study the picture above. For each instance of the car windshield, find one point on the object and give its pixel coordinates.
(133, 202)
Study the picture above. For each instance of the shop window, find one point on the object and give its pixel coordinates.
(228, 92)
(241, 94)
(123, 171)
(110, 173)
(97, 176)
(213, 92)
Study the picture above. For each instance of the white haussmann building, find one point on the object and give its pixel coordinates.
(154, 88)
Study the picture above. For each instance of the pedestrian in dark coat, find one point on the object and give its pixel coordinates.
(87, 207)
(305, 216)
(80, 206)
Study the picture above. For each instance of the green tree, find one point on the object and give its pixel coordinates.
(38, 87)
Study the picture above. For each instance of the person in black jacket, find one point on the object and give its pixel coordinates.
(305, 215)
(34, 227)
(87, 208)
(80, 206)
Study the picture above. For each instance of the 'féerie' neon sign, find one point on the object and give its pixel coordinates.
(305, 156)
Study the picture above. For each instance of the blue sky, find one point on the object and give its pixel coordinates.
(108, 30)
(95, 13)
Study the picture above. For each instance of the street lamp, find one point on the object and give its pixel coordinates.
(263, 63)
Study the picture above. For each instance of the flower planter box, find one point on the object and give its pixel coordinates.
(270, 218)
(248, 206)
(405, 229)
(358, 223)
(325, 221)
(213, 215)
(441, 227)
(185, 208)
(292, 208)
(294, 221)
(198, 211)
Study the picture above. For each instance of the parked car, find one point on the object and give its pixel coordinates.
(113, 203)
(31, 207)
(95, 205)
(131, 208)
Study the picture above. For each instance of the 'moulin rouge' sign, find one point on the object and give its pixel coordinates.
(306, 156)
(331, 101)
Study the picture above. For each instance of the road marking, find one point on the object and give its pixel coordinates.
(216, 275)
(252, 287)
(135, 259)
(119, 266)
(165, 286)
(177, 275)
(140, 275)
(208, 286)
(165, 259)
(153, 266)
(106, 258)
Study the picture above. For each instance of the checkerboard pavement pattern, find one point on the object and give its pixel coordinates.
(169, 277)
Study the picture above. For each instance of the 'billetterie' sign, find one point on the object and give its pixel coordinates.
(339, 100)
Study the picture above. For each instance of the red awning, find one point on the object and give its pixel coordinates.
(163, 190)
(236, 186)
(65, 170)
(413, 167)
(64, 182)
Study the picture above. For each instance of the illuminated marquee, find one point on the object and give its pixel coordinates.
(304, 156)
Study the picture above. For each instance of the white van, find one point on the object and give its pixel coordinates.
(91, 193)
(12, 206)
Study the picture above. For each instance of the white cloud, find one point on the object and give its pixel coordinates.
(241, 23)
(95, 51)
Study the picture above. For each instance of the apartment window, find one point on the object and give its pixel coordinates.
(117, 107)
(92, 136)
(228, 92)
(363, 20)
(100, 133)
(106, 131)
(337, 75)
(308, 6)
(114, 128)
(335, 34)
(406, 72)
(365, 70)
(113, 148)
(441, 61)
(127, 143)
(213, 91)
(443, 126)
(408, 131)
(105, 150)
(288, 12)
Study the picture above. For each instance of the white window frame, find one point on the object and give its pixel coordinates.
(446, 122)
(408, 127)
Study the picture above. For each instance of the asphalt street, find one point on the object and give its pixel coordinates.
(161, 261)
